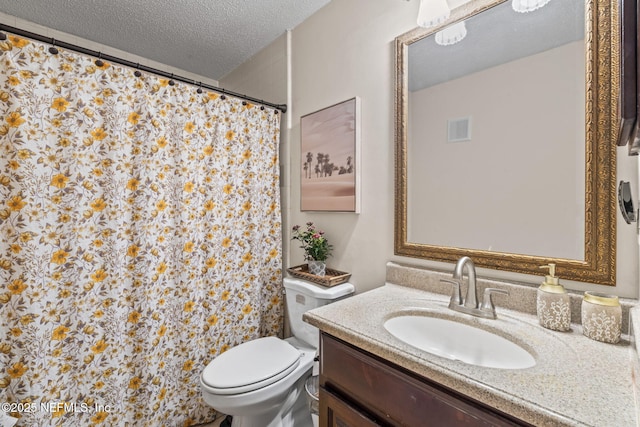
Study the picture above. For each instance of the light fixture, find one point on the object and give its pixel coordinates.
(452, 34)
(524, 6)
(433, 12)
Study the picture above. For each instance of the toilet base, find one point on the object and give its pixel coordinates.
(299, 414)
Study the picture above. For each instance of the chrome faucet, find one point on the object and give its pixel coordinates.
(470, 306)
(471, 300)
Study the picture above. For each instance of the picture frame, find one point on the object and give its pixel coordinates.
(330, 158)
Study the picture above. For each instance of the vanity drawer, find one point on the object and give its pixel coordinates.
(338, 413)
(394, 396)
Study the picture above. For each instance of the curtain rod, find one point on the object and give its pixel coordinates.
(100, 55)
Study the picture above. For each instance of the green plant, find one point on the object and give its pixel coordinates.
(315, 245)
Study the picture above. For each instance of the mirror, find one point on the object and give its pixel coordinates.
(505, 140)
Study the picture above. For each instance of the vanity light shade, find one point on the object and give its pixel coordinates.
(433, 12)
(524, 6)
(452, 34)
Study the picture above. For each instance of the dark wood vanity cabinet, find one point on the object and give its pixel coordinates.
(360, 389)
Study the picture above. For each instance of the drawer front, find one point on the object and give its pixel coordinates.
(335, 412)
(394, 396)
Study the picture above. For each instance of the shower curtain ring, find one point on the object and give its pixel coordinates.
(53, 50)
(199, 90)
(99, 61)
(137, 73)
(171, 82)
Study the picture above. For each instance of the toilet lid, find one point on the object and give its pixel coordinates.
(250, 366)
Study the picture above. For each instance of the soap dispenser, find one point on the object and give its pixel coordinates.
(553, 302)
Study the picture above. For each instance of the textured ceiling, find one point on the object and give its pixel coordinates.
(206, 37)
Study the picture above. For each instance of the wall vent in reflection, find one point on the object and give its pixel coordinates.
(459, 129)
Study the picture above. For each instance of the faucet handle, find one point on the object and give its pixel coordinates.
(456, 297)
(487, 302)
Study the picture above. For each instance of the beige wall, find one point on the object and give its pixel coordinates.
(479, 193)
(334, 57)
(264, 76)
(344, 50)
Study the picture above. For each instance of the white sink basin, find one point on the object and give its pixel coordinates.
(457, 341)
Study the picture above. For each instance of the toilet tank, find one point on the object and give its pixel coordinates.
(302, 296)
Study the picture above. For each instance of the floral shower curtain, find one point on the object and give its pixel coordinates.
(140, 238)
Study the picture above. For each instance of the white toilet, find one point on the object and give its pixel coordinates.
(261, 382)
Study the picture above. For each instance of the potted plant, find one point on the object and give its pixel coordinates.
(316, 247)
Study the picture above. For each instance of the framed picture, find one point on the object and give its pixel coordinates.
(330, 163)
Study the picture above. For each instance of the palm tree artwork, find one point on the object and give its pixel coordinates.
(329, 139)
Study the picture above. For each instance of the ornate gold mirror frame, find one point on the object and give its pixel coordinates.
(602, 53)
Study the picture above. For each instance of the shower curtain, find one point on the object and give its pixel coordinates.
(140, 238)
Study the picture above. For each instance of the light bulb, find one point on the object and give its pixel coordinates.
(524, 6)
(433, 12)
(452, 34)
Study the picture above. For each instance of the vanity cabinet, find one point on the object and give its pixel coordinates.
(360, 389)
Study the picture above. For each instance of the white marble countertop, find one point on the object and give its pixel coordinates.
(575, 382)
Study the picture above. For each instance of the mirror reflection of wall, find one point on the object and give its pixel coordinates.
(516, 184)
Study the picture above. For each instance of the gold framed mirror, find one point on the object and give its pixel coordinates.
(589, 227)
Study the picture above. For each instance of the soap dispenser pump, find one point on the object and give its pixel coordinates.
(553, 303)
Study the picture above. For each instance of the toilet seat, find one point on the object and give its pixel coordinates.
(250, 366)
